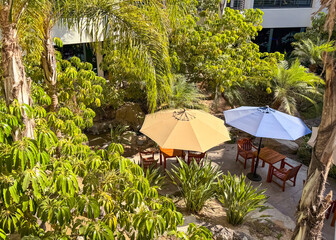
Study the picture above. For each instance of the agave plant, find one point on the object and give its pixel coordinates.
(239, 198)
(197, 183)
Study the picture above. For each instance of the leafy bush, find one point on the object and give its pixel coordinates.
(197, 183)
(304, 152)
(195, 233)
(239, 198)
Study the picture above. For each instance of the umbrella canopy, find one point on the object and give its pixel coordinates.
(266, 122)
(193, 130)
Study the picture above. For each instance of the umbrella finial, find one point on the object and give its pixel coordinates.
(265, 109)
(183, 115)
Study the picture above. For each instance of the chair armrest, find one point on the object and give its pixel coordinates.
(285, 163)
(278, 169)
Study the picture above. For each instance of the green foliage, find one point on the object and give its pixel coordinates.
(293, 83)
(185, 94)
(316, 32)
(219, 52)
(196, 183)
(120, 134)
(310, 53)
(239, 198)
(304, 152)
(195, 233)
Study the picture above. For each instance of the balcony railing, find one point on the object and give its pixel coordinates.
(237, 4)
(282, 3)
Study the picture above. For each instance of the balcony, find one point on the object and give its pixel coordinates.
(282, 4)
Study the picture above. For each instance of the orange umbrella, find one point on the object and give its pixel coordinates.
(193, 130)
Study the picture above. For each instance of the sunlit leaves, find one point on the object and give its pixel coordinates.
(23, 155)
(64, 180)
(54, 211)
(37, 180)
(98, 231)
(10, 218)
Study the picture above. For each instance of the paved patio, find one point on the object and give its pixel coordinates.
(285, 202)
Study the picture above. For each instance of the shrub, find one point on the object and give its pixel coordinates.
(197, 183)
(239, 198)
(304, 152)
(195, 233)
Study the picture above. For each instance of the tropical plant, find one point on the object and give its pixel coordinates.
(239, 198)
(16, 86)
(218, 52)
(310, 53)
(195, 232)
(196, 183)
(291, 83)
(136, 42)
(120, 134)
(185, 94)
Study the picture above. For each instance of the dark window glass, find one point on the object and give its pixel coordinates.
(282, 3)
(263, 39)
(282, 39)
(82, 51)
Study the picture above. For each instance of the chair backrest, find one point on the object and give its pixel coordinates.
(197, 156)
(245, 144)
(293, 172)
(146, 155)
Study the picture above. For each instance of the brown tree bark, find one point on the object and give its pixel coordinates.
(16, 85)
(313, 205)
(48, 60)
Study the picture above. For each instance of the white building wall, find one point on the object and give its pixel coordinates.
(286, 17)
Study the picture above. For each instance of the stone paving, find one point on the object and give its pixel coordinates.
(285, 202)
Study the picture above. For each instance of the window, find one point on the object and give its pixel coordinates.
(276, 39)
(282, 3)
(82, 51)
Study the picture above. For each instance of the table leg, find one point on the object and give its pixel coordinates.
(165, 162)
(269, 177)
(160, 158)
(282, 163)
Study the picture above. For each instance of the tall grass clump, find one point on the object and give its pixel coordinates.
(239, 198)
(196, 183)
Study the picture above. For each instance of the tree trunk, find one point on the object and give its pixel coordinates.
(222, 6)
(48, 60)
(16, 85)
(312, 206)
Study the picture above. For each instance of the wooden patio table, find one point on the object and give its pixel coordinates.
(169, 153)
(269, 156)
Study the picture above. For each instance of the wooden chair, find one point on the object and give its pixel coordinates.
(147, 159)
(195, 156)
(285, 174)
(245, 149)
(332, 209)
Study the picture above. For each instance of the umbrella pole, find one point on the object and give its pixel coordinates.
(254, 176)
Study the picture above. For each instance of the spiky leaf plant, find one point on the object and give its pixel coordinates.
(239, 198)
(196, 183)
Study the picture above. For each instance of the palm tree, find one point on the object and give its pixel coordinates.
(310, 54)
(131, 25)
(15, 83)
(185, 94)
(292, 83)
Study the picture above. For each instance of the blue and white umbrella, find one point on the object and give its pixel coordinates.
(265, 122)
